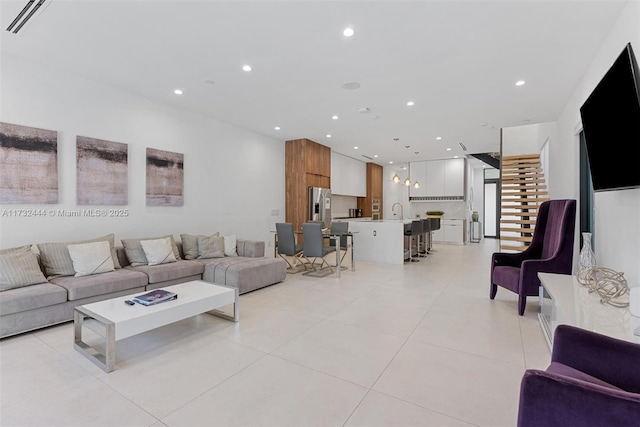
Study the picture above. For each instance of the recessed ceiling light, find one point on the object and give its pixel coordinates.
(375, 156)
(328, 135)
(351, 85)
(177, 92)
(356, 147)
(520, 83)
(390, 162)
(335, 117)
(396, 139)
(448, 149)
(411, 103)
(364, 110)
(438, 138)
(246, 67)
(404, 168)
(277, 128)
(348, 32)
(483, 124)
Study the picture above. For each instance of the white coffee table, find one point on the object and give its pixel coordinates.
(122, 321)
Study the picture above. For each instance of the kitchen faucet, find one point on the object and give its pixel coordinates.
(401, 210)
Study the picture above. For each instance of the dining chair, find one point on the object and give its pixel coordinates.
(287, 246)
(341, 227)
(550, 251)
(313, 246)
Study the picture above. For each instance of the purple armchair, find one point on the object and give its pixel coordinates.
(550, 251)
(593, 380)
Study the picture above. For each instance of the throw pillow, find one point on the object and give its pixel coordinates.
(230, 245)
(158, 251)
(190, 244)
(19, 267)
(57, 262)
(18, 249)
(135, 252)
(210, 247)
(91, 258)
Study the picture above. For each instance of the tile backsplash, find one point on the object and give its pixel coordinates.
(452, 210)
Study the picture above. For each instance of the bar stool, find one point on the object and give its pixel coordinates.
(426, 231)
(414, 233)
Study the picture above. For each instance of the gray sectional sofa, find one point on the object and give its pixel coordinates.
(25, 308)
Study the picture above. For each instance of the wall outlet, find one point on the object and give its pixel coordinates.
(275, 212)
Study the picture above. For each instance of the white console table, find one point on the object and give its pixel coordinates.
(565, 301)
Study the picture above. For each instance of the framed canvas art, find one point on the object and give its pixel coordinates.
(29, 165)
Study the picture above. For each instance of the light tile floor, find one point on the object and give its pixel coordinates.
(419, 344)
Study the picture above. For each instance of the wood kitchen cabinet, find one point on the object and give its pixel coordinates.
(374, 190)
(307, 164)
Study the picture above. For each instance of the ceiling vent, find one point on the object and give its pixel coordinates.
(367, 157)
(19, 22)
(462, 146)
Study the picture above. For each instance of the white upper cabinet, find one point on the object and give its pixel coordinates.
(435, 178)
(348, 176)
(454, 177)
(438, 178)
(418, 172)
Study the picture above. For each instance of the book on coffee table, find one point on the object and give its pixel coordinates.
(155, 297)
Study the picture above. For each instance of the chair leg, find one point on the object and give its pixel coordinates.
(522, 302)
(493, 291)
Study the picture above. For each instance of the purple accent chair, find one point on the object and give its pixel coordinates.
(593, 381)
(550, 251)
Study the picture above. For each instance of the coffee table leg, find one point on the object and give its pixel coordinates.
(236, 310)
(107, 361)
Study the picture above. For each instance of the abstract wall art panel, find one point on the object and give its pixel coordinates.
(28, 165)
(165, 178)
(102, 172)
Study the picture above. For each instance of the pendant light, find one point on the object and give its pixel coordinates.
(416, 185)
(396, 178)
(407, 182)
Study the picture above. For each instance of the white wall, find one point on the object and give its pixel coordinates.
(617, 213)
(233, 178)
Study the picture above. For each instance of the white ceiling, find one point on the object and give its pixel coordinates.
(457, 60)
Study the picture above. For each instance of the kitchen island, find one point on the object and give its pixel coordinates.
(379, 241)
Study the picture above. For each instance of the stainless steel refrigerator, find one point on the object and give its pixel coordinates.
(319, 205)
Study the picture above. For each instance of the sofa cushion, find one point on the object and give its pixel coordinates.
(135, 252)
(246, 274)
(158, 251)
(190, 244)
(210, 247)
(100, 284)
(31, 297)
(19, 267)
(166, 272)
(57, 262)
(250, 248)
(91, 258)
(230, 245)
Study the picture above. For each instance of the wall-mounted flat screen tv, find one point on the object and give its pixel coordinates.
(611, 125)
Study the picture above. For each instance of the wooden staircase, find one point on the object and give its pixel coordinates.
(522, 191)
